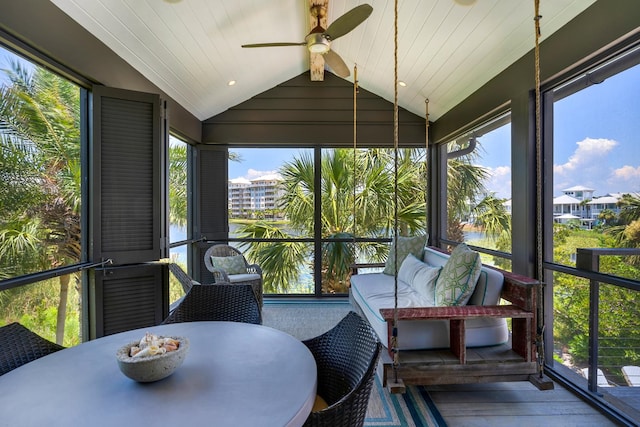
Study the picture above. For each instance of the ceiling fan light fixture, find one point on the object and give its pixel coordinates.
(316, 43)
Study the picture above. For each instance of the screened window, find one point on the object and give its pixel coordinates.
(271, 199)
(40, 196)
(178, 196)
(596, 166)
(479, 188)
(596, 200)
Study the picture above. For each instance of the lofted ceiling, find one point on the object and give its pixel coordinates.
(191, 49)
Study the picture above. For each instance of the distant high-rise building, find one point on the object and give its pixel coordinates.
(247, 197)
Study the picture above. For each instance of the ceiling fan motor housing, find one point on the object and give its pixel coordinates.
(317, 43)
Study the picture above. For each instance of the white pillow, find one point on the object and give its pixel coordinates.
(420, 276)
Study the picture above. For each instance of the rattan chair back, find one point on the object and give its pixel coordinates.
(346, 357)
(19, 345)
(218, 302)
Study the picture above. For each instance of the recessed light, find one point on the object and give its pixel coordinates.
(401, 83)
(231, 83)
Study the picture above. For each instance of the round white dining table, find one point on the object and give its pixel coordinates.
(235, 374)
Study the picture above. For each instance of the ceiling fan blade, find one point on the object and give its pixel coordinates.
(274, 44)
(337, 64)
(348, 21)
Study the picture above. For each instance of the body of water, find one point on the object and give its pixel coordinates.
(305, 279)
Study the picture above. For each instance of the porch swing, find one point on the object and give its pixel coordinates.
(520, 358)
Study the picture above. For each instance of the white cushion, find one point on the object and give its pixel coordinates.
(420, 276)
(235, 278)
(371, 292)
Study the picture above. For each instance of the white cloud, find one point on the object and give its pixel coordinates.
(253, 173)
(588, 154)
(625, 176)
(627, 173)
(499, 181)
(589, 165)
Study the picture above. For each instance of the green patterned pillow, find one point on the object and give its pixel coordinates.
(458, 277)
(406, 245)
(230, 264)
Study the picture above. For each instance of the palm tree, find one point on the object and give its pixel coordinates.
(366, 212)
(464, 183)
(629, 208)
(40, 136)
(492, 216)
(607, 216)
(178, 184)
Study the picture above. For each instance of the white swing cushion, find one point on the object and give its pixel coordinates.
(371, 292)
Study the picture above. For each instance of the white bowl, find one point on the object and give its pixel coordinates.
(151, 368)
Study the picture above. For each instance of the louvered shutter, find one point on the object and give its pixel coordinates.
(128, 224)
(130, 297)
(127, 176)
(211, 202)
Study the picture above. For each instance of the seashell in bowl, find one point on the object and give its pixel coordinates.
(151, 368)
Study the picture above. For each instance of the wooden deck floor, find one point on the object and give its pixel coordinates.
(501, 404)
(513, 404)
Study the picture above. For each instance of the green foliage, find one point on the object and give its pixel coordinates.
(619, 314)
(35, 307)
(40, 199)
(178, 184)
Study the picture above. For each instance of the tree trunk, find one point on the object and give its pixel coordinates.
(62, 308)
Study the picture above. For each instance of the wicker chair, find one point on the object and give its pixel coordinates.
(185, 280)
(222, 302)
(252, 273)
(19, 345)
(346, 357)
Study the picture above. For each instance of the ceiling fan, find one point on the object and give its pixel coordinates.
(319, 40)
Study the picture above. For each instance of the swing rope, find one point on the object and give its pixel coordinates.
(539, 182)
(394, 335)
(426, 163)
(355, 146)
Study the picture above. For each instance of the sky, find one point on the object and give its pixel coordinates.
(597, 136)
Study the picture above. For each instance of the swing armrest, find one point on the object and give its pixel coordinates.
(457, 312)
(520, 290)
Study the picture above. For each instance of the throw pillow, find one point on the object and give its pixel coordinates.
(420, 276)
(230, 264)
(458, 277)
(406, 245)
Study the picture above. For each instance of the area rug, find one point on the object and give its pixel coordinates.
(412, 409)
(305, 320)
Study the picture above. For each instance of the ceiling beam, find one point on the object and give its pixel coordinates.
(316, 60)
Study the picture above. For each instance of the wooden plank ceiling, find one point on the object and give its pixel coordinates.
(191, 48)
